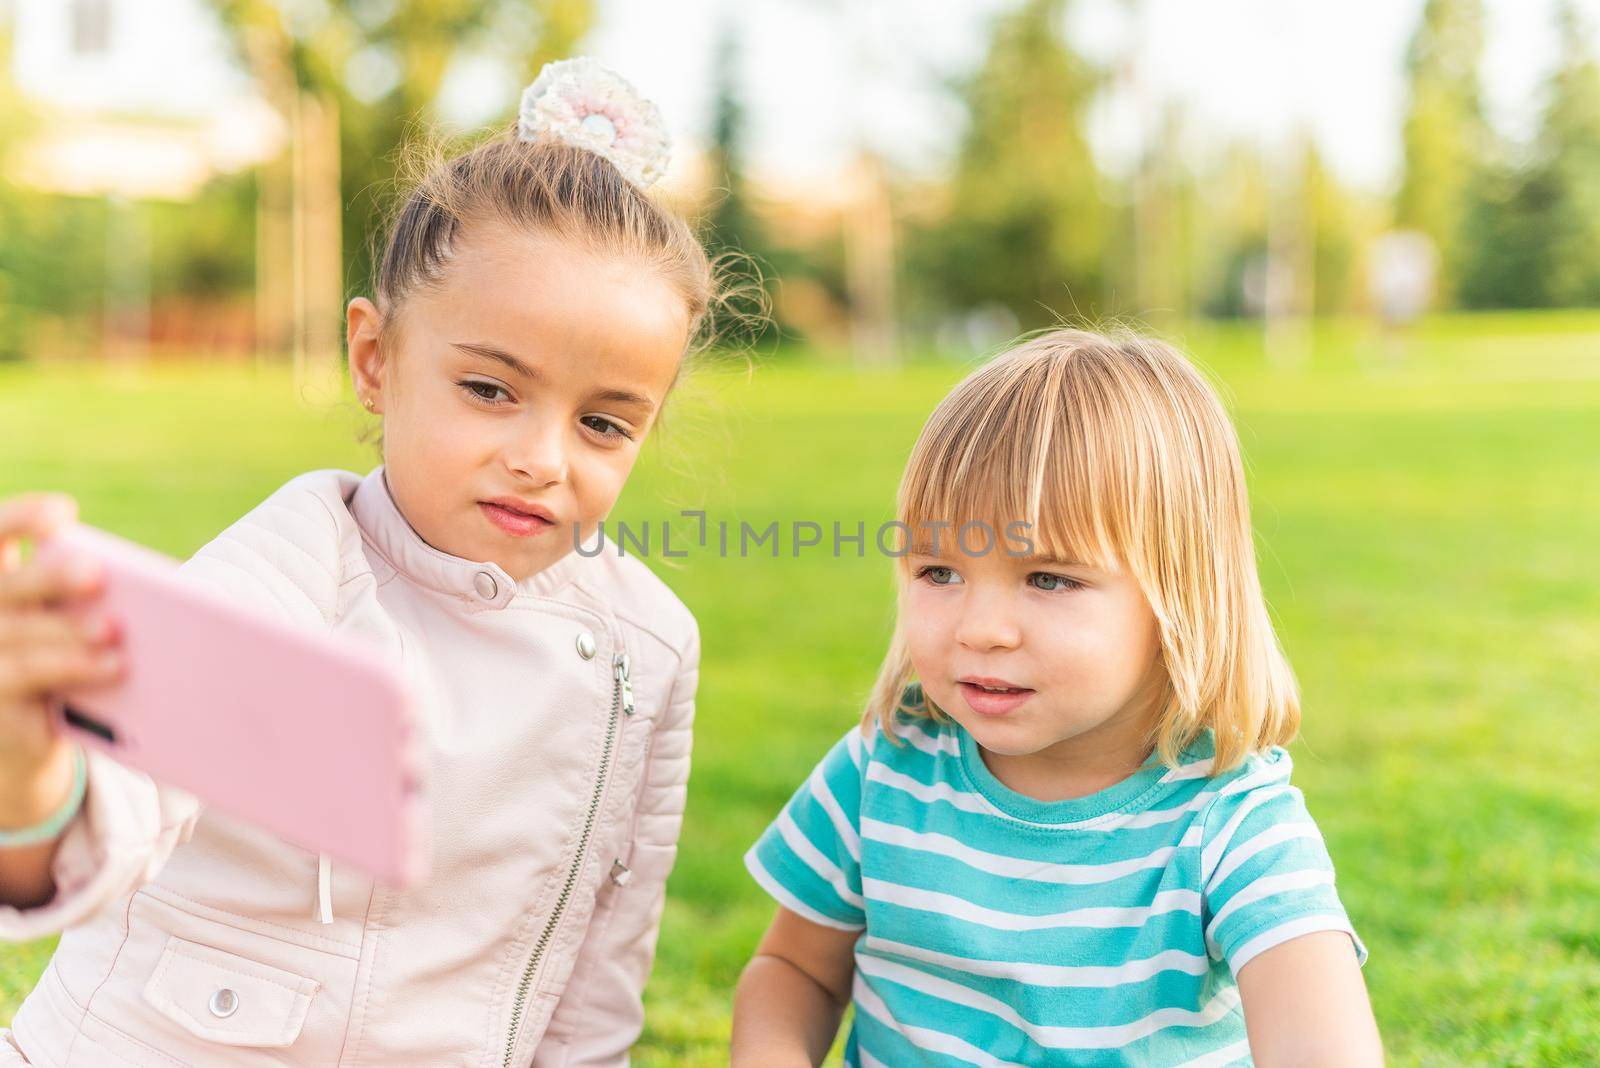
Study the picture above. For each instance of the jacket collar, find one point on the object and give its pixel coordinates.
(483, 584)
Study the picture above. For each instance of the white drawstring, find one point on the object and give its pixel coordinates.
(324, 889)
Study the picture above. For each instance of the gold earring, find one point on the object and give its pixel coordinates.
(368, 402)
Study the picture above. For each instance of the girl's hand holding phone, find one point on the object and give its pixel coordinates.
(51, 639)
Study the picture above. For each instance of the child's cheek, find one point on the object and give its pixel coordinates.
(929, 630)
(597, 485)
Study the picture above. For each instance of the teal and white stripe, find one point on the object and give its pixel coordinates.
(999, 930)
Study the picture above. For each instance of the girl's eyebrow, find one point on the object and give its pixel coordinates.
(627, 396)
(621, 396)
(492, 353)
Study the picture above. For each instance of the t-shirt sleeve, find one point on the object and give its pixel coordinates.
(1267, 875)
(809, 859)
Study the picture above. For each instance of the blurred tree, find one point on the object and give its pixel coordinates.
(1231, 233)
(1568, 149)
(381, 65)
(204, 248)
(1445, 136)
(1154, 254)
(13, 115)
(730, 223)
(12, 325)
(732, 229)
(1339, 222)
(52, 248)
(1025, 226)
(1534, 224)
(1509, 232)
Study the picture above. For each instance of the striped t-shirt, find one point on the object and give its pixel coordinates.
(1000, 930)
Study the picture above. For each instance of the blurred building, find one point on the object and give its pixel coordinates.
(137, 99)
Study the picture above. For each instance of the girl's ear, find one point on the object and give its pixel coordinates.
(362, 325)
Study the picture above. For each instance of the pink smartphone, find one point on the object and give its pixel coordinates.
(312, 737)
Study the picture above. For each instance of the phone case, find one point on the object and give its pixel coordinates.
(311, 736)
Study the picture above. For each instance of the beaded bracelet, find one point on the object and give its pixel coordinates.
(57, 821)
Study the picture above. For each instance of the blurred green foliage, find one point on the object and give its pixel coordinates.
(1025, 221)
(1445, 134)
(51, 249)
(1532, 232)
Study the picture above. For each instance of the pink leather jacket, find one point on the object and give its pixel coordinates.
(558, 714)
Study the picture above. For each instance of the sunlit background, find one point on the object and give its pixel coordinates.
(1376, 223)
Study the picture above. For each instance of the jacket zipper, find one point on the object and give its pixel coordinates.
(621, 702)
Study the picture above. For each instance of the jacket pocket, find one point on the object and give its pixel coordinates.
(228, 999)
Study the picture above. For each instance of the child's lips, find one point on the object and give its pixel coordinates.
(515, 523)
(992, 701)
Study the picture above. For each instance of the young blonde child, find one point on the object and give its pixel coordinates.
(1064, 833)
(533, 309)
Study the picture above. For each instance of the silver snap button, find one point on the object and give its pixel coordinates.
(484, 583)
(586, 646)
(224, 1003)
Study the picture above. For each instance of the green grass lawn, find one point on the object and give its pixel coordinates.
(1428, 518)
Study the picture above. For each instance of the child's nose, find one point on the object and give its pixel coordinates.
(541, 456)
(988, 623)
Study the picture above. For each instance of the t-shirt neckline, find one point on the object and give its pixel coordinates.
(1128, 795)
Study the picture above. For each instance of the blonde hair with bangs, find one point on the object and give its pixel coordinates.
(1116, 452)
